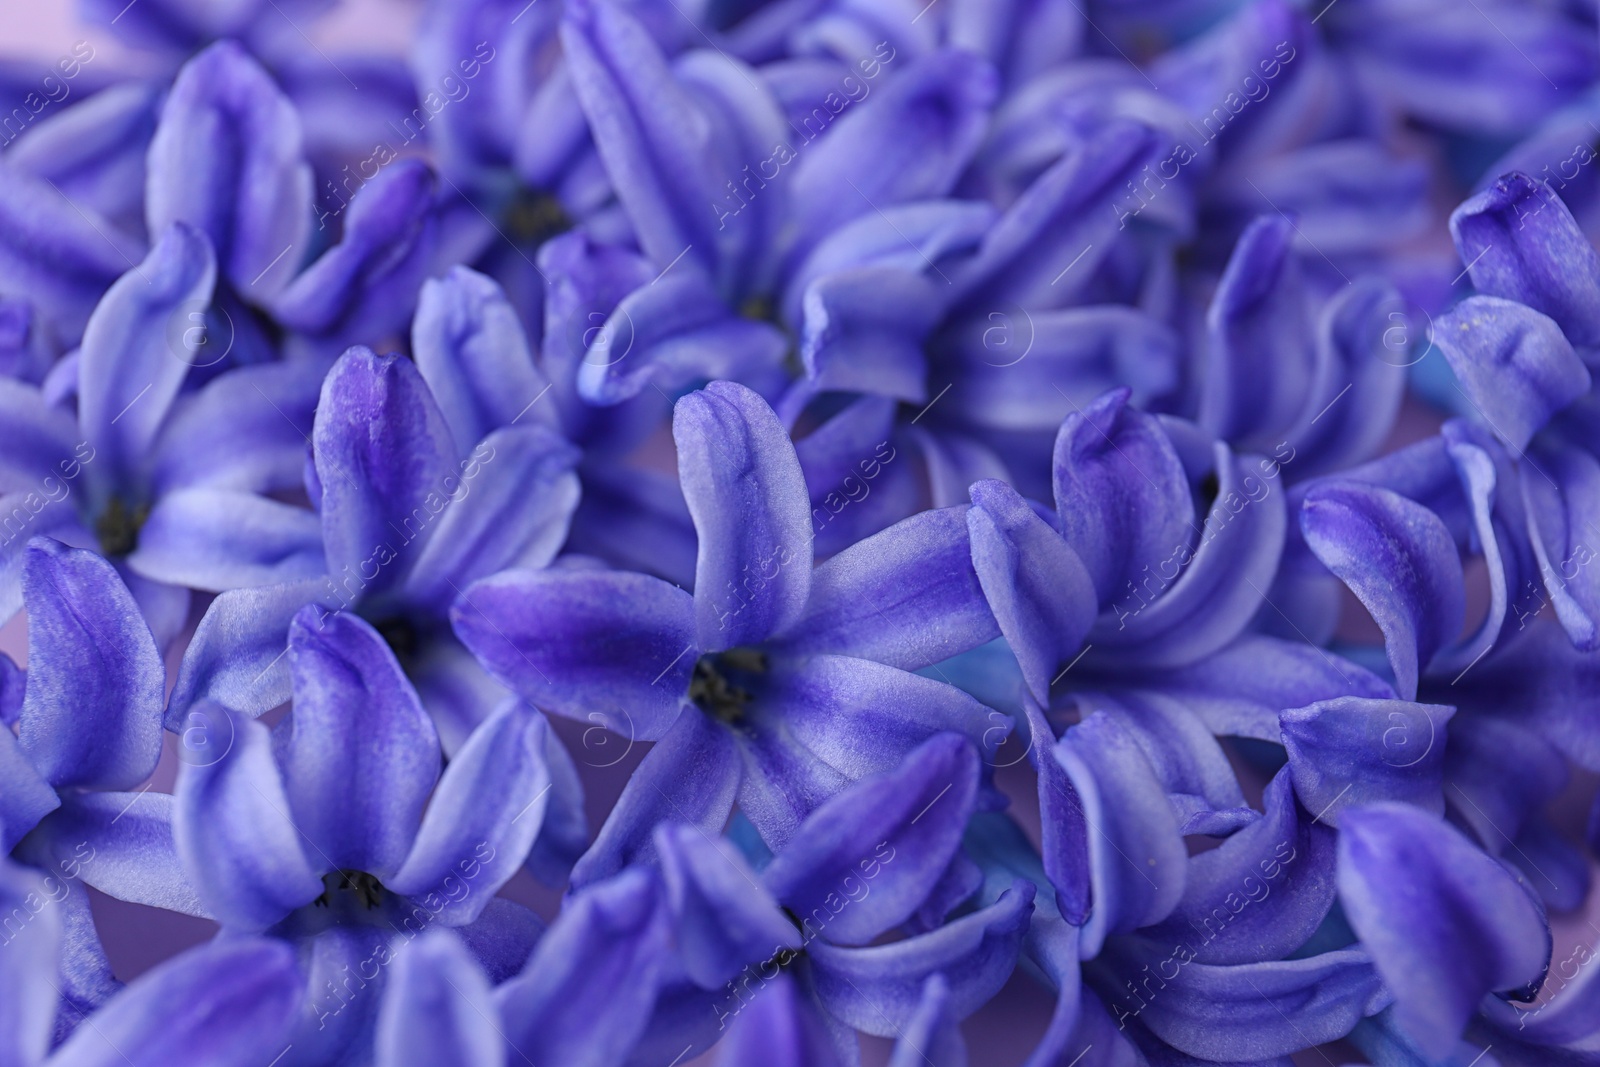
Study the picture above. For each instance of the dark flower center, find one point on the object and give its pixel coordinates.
(401, 637)
(533, 217)
(1207, 491)
(723, 683)
(759, 308)
(118, 527)
(366, 887)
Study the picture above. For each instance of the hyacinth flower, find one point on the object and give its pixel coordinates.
(774, 684)
(141, 446)
(406, 517)
(1460, 938)
(342, 838)
(253, 197)
(222, 1003)
(721, 226)
(1476, 77)
(882, 857)
(87, 719)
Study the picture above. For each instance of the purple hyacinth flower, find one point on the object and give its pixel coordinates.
(773, 685)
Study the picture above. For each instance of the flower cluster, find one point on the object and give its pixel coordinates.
(650, 529)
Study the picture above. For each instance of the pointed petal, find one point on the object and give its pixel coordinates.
(906, 596)
(1354, 751)
(232, 825)
(1445, 924)
(361, 755)
(725, 920)
(586, 994)
(597, 646)
(438, 1009)
(131, 851)
(1262, 893)
(1121, 493)
(1037, 587)
(933, 113)
(364, 289)
(888, 838)
(691, 775)
(226, 159)
(473, 353)
(237, 657)
(509, 509)
(1562, 492)
(1260, 357)
(91, 714)
(1136, 854)
(1515, 367)
(219, 1005)
(1399, 561)
(382, 452)
(744, 488)
(139, 345)
(863, 332)
(879, 989)
(483, 817)
(655, 143)
(1521, 243)
(219, 539)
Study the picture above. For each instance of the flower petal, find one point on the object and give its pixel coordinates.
(879, 989)
(361, 756)
(226, 159)
(1400, 562)
(438, 1009)
(1261, 894)
(1037, 587)
(1515, 367)
(137, 349)
(933, 113)
(1445, 924)
(236, 657)
(472, 351)
(218, 539)
(131, 854)
(906, 597)
(1136, 853)
(725, 920)
(483, 817)
(586, 995)
(36, 439)
(691, 775)
(363, 289)
(1352, 751)
(1272, 1009)
(219, 1005)
(25, 797)
(744, 488)
(607, 647)
(778, 1028)
(511, 508)
(233, 828)
(91, 714)
(1521, 243)
(1121, 493)
(867, 839)
(248, 429)
(382, 453)
(655, 143)
(27, 967)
